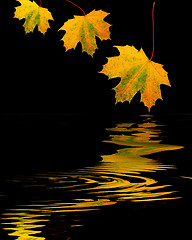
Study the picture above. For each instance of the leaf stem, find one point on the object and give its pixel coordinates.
(40, 4)
(76, 6)
(153, 31)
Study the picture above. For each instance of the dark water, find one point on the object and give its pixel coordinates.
(132, 179)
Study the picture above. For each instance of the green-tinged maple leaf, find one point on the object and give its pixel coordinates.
(34, 15)
(137, 73)
(84, 29)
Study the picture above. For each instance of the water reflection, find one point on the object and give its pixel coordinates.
(122, 176)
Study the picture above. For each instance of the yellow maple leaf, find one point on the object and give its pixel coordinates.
(34, 15)
(84, 29)
(137, 73)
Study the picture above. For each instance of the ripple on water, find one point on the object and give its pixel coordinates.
(118, 177)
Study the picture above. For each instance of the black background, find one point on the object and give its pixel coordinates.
(38, 76)
(55, 104)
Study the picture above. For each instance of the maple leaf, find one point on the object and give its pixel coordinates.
(137, 73)
(34, 15)
(84, 29)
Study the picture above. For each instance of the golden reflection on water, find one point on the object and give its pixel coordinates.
(118, 177)
(23, 224)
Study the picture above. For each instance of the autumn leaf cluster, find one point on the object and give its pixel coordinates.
(136, 70)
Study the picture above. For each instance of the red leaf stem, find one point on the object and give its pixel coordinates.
(153, 31)
(77, 6)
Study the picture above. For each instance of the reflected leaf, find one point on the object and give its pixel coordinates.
(127, 175)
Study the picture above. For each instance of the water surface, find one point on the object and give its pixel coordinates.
(53, 204)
